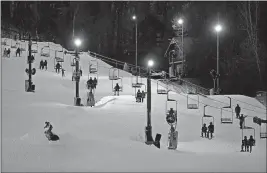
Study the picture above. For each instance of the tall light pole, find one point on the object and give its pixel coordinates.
(135, 19)
(218, 29)
(149, 138)
(181, 22)
(77, 99)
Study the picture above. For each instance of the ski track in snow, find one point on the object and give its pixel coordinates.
(111, 135)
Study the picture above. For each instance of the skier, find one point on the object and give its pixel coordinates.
(242, 121)
(237, 111)
(210, 130)
(57, 68)
(41, 64)
(244, 144)
(94, 82)
(63, 72)
(143, 95)
(18, 52)
(48, 132)
(117, 89)
(45, 64)
(251, 142)
(90, 83)
(138, 96)
(204, 130)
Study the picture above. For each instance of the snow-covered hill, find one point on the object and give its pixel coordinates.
(110, 136)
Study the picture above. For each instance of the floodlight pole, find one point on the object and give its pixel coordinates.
(149, 138)
(77, 78)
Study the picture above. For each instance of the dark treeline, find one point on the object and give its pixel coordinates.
(107, 28)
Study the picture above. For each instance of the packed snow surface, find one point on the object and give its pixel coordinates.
(110, 136)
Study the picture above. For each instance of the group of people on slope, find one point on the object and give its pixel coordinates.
(140, 96)
(43, 64)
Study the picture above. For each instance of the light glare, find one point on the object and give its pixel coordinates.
(150, 63)
(218, 28)
(180, 21)
(78, 42)
(134, 17)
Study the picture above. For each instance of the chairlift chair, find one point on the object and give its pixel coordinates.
(205, 116)
(114, 74)
(72, 62)
(161, 91)
(227, 120)
(45, 51)
(248, 131)
(93, 66)
(14, 44)
(58, 60)
(192, 105)
(263, 133)
(135, 84)
(59, 56)
(4, 43)
(22, 45)
(34, 48)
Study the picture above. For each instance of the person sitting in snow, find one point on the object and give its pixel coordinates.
(210, 130)
(204, 130)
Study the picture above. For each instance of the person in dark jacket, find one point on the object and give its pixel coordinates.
(18, 52)
(143, 96)
(210, 130)
(237, 111)
(90, 83)
(63, 72)
(81, 72)
(41, 64)
(204, 130)
(251, 142)
(8, 53)
(117, 89)
(58, 67)
(94, 82)
(45, 64)
(244, 144)
(138, 96)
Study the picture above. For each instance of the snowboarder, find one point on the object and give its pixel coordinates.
(138, 96)
(48, 132)
(242, 121)
(41, 64)
(117, 89)
(210, 130)
(57, 68)
(237, 111)
(143, 95)
(94, 82)
(244, 144)
(45, 64)
(204, 130)
(18, 52)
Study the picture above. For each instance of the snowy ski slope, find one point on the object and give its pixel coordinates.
(110, 136)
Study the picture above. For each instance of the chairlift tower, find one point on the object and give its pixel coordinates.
(29, 87)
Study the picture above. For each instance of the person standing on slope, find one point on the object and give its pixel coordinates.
(237, 111)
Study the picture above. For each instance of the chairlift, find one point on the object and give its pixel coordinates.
(248, 131)
(136, 84)
(58, 60)
(171, 119)
(22, 45)
(93, 66)
(14, 44)
(72, 62)
(207, 117)
(59, 55)
(34, 47)
(120, 84)
(4, 43)
(45, 51)
(161, 91)
(192, 105)
(114, 74)
(226, 119)
(263, 133)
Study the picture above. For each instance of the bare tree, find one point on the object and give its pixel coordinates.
(249, 13)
